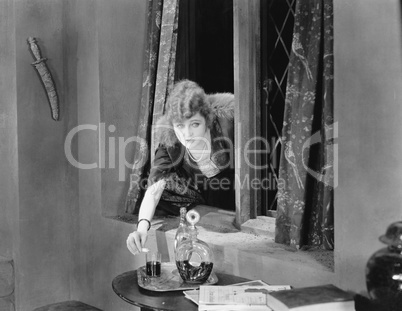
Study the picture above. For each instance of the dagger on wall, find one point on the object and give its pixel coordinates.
(46, 78)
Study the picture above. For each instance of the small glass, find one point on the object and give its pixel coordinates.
(153, 261)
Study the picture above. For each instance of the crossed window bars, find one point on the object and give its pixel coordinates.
(279, 31)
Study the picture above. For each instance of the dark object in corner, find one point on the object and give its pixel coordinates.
(46, 78)
(365, 304)
(384, 269)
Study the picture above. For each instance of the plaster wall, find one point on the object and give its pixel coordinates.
(46, 184)
(368, 94)
(110, 42)
(8, 131)
(53, 229)
(8, 158)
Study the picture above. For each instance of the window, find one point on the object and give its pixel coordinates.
(277, 20)
(224, 57)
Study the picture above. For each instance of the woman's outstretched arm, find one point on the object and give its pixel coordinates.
(137, 239)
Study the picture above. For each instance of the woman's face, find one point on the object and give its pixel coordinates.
(192, 132)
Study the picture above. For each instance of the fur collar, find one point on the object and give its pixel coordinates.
(222, 108)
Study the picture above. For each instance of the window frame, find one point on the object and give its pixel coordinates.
(247, 90)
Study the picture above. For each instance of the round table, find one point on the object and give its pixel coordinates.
(126, 287)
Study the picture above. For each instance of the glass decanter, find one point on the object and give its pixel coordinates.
(182, 232)
(194, 258)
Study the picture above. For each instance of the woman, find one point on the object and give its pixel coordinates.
(194, 162)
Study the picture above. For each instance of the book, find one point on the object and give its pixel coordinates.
(315, 298)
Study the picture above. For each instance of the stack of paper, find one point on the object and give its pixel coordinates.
(247, 296)
(232, 298)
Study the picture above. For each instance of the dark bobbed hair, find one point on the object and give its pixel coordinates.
(185, 100)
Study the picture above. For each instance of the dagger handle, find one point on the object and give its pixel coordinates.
(34, 48)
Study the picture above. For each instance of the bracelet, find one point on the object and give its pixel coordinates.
(149, 223)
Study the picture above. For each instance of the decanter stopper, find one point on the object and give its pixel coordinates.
(194, 258)
(193, 217)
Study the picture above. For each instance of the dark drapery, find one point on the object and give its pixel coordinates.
(306, 172)
(158, 78)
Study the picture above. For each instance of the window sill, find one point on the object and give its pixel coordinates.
(251, 252)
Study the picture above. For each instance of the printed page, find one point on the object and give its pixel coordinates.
(233, 295)
(193, 295)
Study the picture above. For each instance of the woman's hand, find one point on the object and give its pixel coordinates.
(136, 240)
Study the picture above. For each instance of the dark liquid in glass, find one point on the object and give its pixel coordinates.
(194, 274)
(153, 268)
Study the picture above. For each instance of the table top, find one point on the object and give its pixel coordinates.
(126, 287)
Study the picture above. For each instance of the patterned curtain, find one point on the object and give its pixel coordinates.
(158, 78)
(306, 173)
